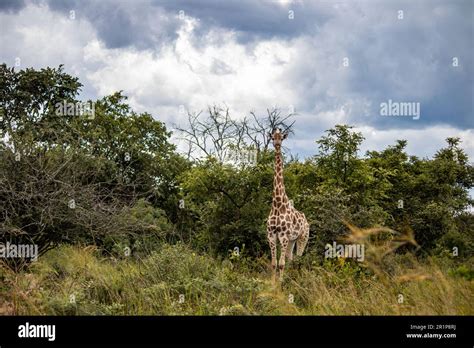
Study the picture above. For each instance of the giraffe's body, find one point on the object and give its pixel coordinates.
(285, 223)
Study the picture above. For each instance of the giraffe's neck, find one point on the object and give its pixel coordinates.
(279, 193)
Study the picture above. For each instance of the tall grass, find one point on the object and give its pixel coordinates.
(175, 280)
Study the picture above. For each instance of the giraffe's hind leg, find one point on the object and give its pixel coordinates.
(289, 251)
(302, 240)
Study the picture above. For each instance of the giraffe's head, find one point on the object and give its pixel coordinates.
(277, 136)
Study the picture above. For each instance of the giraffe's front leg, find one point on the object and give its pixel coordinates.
(272, 240)
(284, 249)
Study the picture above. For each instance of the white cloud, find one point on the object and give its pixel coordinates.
(184, 74)
(210, 65)
(43, 38)
(421, 142)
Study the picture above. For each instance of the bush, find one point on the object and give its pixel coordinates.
(175, 280)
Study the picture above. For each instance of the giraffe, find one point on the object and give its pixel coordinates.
(284, 222)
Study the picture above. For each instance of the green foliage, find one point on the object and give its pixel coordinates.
(176, 280)
(104, 164)
(228, 205)
(463, 271)
(27, 103)
(133, 190)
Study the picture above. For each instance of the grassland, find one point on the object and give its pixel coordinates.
(175, 280)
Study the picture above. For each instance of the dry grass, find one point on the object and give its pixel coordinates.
(78, 281)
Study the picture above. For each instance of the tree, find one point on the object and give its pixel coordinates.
(27, 103)
(218, 133)
(228, 205)
(68, 178)
(338, 152)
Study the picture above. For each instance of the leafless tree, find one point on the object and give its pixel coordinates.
(51, 198)
(260, 127)
(215, 134)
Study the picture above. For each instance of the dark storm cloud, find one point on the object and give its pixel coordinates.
(414, 63)
(408, 60)
(11, 5)
(127, 23)
(404, 60)
(255, 19)
(119, 24)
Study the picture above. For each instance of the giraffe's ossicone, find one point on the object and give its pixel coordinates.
(285, 223)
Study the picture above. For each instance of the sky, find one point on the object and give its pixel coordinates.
(331, 62)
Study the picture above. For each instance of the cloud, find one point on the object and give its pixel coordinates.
(11, 5)
(185, 74)
(422, 143)
(333, 63)
(37, 37)
(406, 60)
(139, 24)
